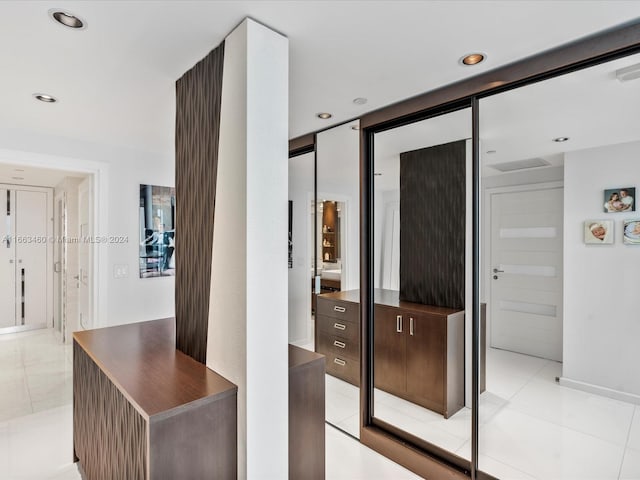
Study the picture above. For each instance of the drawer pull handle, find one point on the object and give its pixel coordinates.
(340, 362)
(410, 325)
(339, 326)
(339, 344)
(398, 323)
(339, 309)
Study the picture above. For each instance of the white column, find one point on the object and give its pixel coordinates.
(247, 338)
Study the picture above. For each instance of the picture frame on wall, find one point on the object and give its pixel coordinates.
(598, 232)
(631, 232)
(620, 199)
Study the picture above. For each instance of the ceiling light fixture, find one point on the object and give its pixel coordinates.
(324, 115)
(360, 101)
(560, 139)
(67, 19)
(43, 97)
(472, 59)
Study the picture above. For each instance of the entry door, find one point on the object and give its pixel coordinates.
(526, 272)
(31, 253)
(7, 260)
(84, 276)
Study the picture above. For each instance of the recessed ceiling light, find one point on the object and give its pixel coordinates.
(67, 19)
(561, 139)
(360, 101)
(324, 115)
(43, 97)
(472, 59)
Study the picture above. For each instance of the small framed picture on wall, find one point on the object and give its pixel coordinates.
(620, 200)
(598, 232)
(631, 232)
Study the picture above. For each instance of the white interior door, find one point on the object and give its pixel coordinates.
(7, 260)
(85, 252)
(32, 248)
(526, 272)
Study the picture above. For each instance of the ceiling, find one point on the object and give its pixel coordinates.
(115, 79)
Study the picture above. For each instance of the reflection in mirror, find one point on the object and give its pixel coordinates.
(324, 278)
(421, 274)
(559, 279)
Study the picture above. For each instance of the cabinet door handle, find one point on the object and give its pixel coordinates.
(340, 362)
(399, 323)
(410, 325)
(337, 343)
(339, 326)
(336, 308)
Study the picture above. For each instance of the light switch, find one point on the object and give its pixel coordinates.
(120, 271)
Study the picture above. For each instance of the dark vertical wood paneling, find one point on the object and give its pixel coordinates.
(432, 225)
(198, 98)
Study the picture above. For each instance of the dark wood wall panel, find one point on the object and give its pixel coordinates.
(198, 98)
(432, 225)
(100, 411)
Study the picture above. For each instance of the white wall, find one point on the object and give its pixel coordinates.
(247, 336)
(118, 172)
(301, 183)
(601, 282)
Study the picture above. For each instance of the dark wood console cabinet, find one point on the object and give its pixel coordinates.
(419, 349)
(144, 410)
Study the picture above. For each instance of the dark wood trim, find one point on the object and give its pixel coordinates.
(406, 455)
(303, 144)
(591, 50)
(586, 51)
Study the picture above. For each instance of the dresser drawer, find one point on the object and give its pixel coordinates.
(341, 328)
(329, 344)
(344, 368)
(345, 311)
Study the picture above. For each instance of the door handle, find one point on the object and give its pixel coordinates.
(497, 270)
(399, 324)
(411, 322)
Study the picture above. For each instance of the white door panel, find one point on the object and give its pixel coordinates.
(31, 253)
(526, 266)
(7, 261)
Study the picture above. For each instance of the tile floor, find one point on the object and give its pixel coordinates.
(36, 418)
(530, 427)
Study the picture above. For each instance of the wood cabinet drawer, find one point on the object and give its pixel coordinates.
(341, 328)
(344, 368)
(329, 344)
(346, 311)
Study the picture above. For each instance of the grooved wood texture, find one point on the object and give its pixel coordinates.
(432, 225)
(198, 98)
(109, 435)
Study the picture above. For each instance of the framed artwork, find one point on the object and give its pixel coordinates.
(598, 232)
(631, 232)
(157, 231)
(620, 200)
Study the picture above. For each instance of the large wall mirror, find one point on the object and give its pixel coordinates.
(325, 269)
(422, 373)
(560, 175)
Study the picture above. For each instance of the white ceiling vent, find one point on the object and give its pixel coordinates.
(628, 73)
(520, 164)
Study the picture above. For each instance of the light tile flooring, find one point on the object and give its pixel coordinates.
(36, 419)
(530, 427)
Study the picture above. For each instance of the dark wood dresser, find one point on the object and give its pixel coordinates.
(144, 410)
(337, 334)
(419, 349)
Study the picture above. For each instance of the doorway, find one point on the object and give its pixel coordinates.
(526, 271)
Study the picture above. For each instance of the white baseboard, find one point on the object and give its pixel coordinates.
(602, 391)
